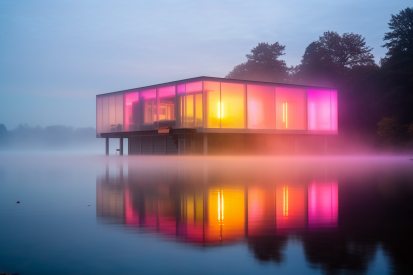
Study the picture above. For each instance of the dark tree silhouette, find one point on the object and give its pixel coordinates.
(400, 41)
(398, 66)
(263, 64)
(329, 59)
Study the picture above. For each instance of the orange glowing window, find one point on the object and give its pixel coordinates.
(291, 108)
(232, 105)
(212, 93)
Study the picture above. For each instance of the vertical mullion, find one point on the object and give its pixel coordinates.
(203, 106)
(246, 107)
(157, 108)
(220, 106)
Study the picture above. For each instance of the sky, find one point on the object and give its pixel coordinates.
(55, 56)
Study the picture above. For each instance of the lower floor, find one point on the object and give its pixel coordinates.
(192, 143)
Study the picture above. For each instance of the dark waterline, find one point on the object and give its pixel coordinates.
(216, 215)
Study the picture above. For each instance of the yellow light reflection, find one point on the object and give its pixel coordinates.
(220, 207)
(285, 201)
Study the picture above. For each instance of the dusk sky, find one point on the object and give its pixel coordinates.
(57, 55)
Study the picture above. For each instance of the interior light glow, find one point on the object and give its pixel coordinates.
(285, 201)
(285, 114)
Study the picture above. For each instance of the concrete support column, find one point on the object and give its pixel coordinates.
(121, 146)
(107, 146)
(205, 144)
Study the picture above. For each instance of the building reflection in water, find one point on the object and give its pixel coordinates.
(340, 220)
(185, 205)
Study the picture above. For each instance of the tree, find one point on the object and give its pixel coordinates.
(331, 57)
(397, 65)
(400, 40)
(391, 129)
(262, 64)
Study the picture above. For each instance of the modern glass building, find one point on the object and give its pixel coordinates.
(189, 116)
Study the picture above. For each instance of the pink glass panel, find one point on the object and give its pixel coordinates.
(149, 103)
(261, 107)
(166, 92)
(291, 108)
(131, 111)
(167, 104)
(322, 204)
(180, 89)
(322, 110)
(148, 94)
(194, 87)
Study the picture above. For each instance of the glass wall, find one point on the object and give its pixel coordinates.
(190, 104)
(212, 93)
(109, 113)
(131, 111)
(232, 105)
(291, 108)
(225, 105)
(166, 97)
(148, 109)
(193, 116)
(261, 107)
(322, 110)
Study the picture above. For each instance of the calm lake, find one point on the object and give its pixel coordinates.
(197, 215)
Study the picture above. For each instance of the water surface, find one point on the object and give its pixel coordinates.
(215, 215)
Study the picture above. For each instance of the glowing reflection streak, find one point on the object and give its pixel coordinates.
(220, 206)
(285, 204)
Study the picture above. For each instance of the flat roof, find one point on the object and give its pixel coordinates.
(218, 79)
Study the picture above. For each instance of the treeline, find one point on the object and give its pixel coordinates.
(375, 100)
(48, 138)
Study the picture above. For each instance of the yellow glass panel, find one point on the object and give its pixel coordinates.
(189, 118)
(198, 110)
(232, 105)
(212, 101)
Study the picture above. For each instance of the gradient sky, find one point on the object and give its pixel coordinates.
(55, 56)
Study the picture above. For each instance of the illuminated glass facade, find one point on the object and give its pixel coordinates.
(217, 105)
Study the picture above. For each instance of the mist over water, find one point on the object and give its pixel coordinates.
(223, 215)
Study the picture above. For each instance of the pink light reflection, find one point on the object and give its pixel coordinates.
(322, 205)
(131, 216)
